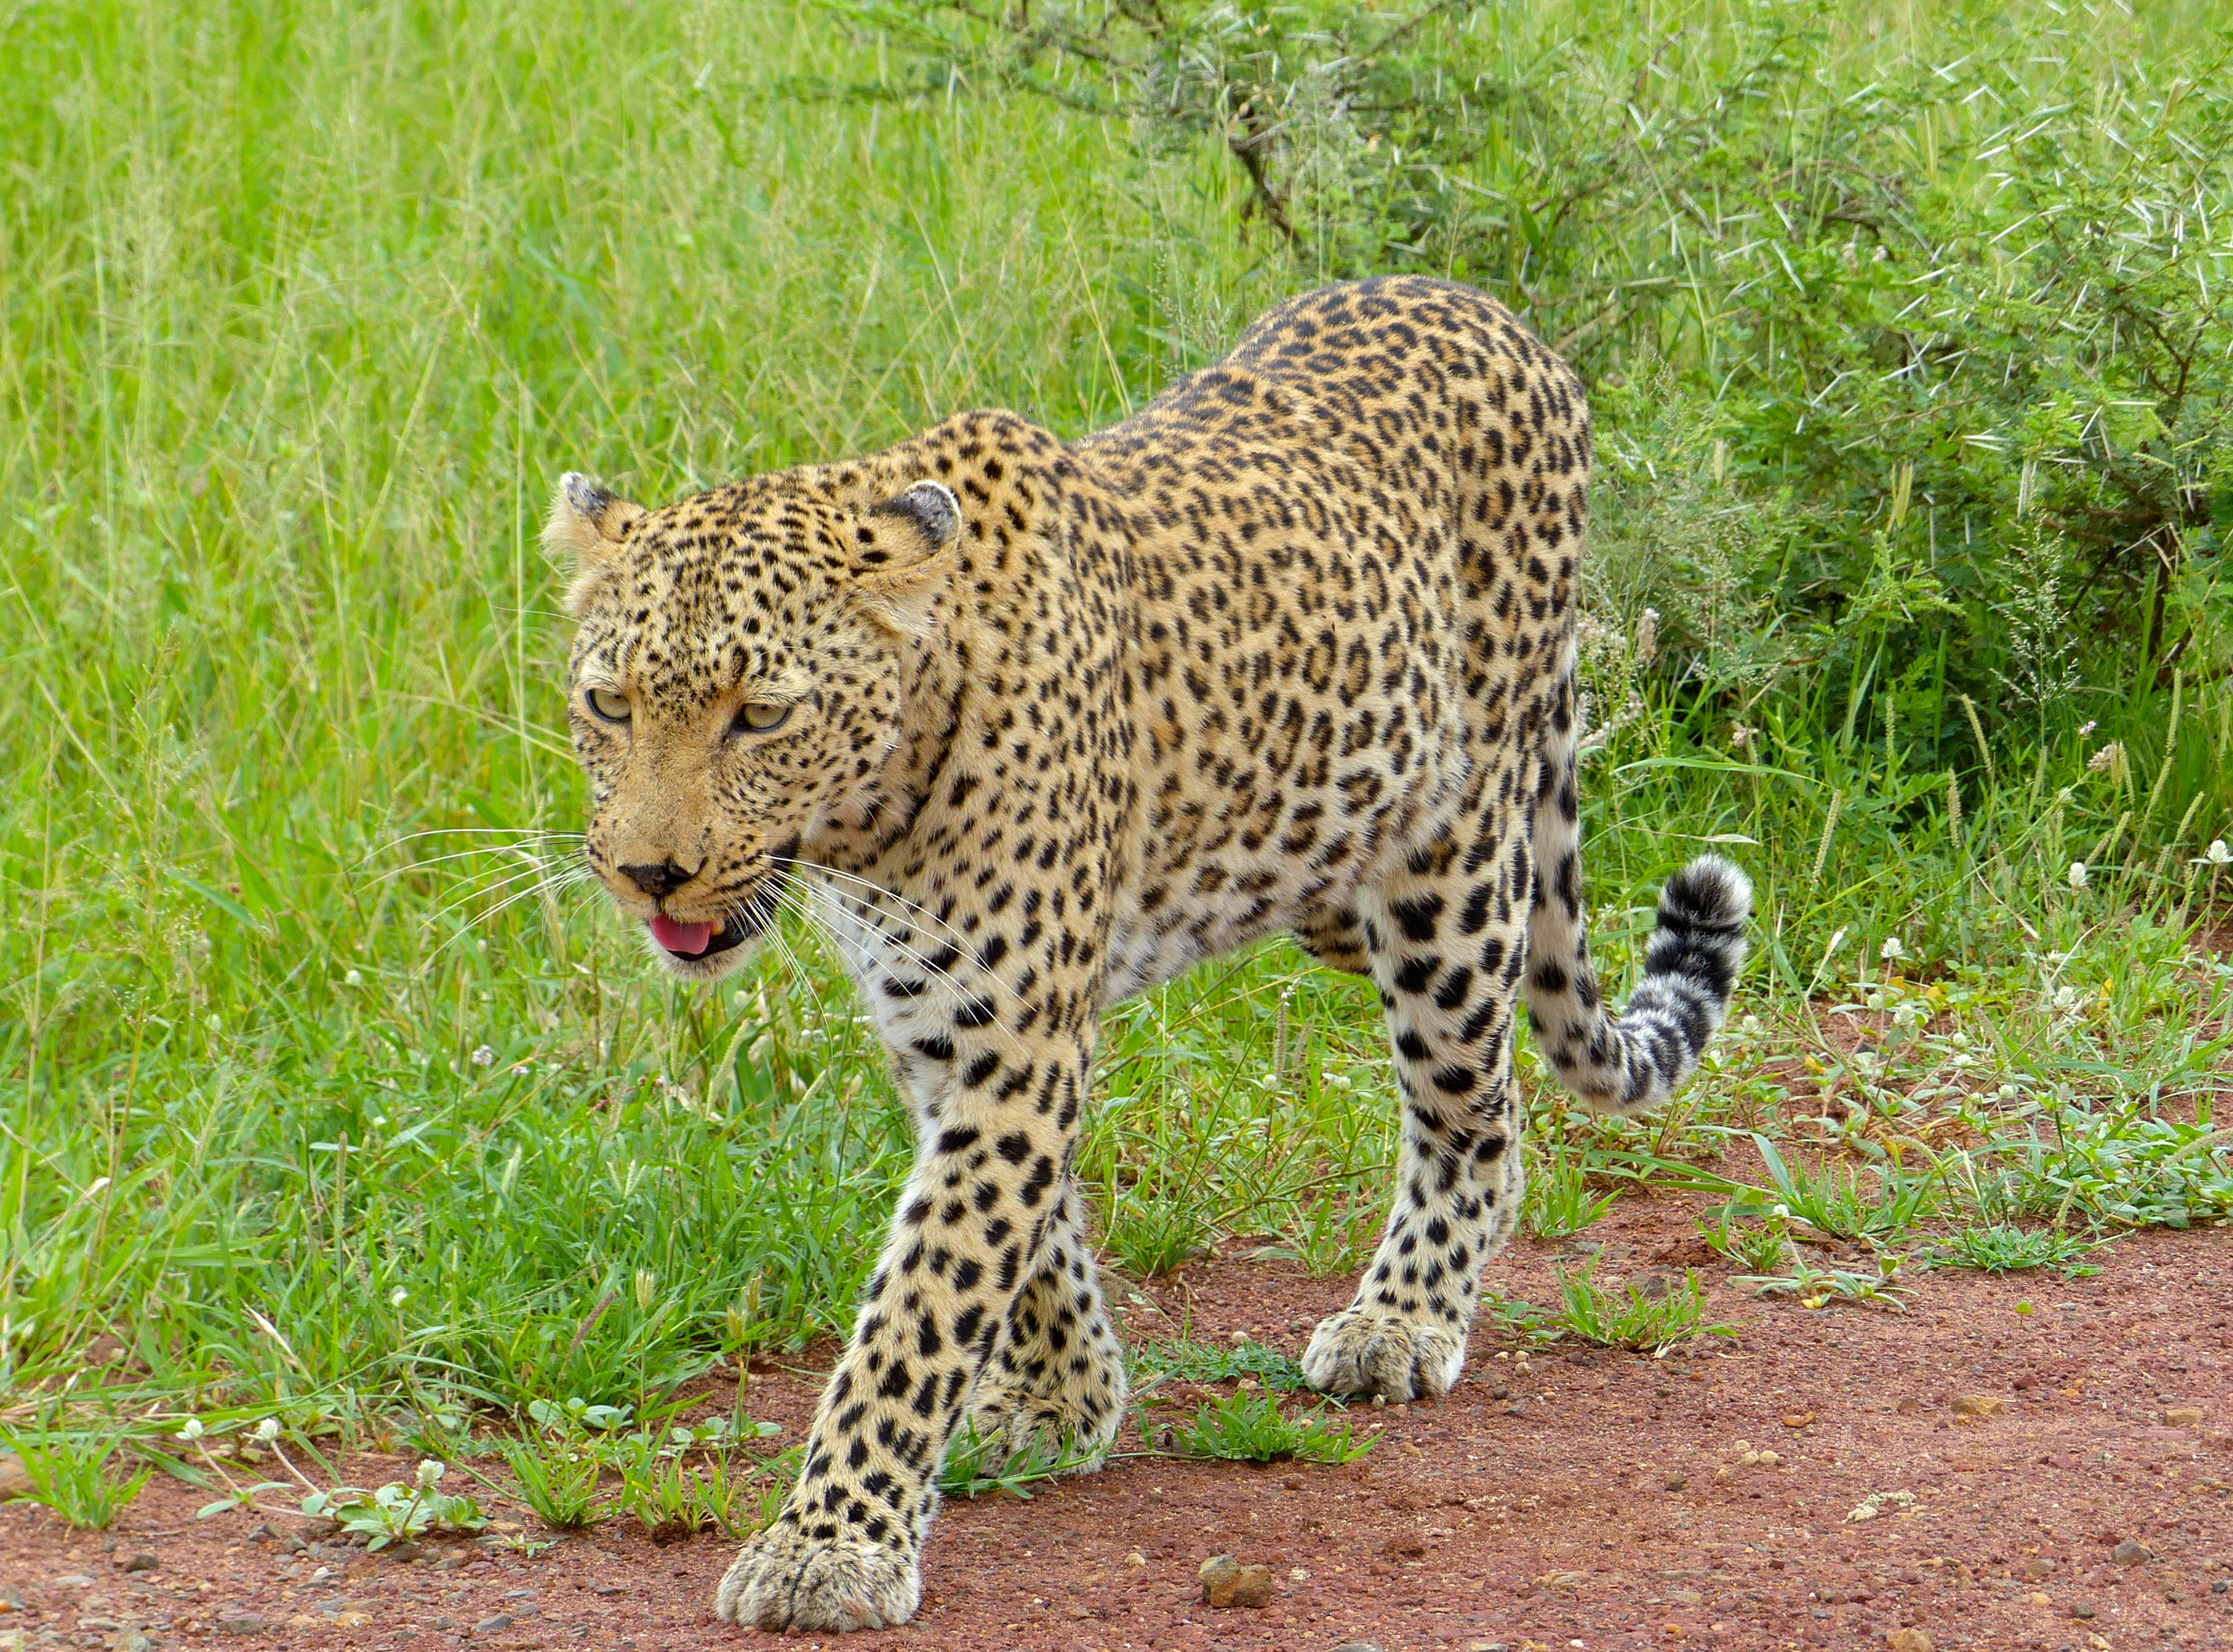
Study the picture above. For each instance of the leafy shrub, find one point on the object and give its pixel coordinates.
(1921, 345)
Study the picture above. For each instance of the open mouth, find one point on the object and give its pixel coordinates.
(695, 943)
(711, 938)
(699, 940)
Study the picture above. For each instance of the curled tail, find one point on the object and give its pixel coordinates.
(1626, 1063)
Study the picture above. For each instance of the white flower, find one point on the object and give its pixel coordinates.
(2090, 725)
(1907, 1013)
(2077, 874)
(191, 1429)
(521, 1070)
(2216, 854)
(355, 978)
(398, 1297)
(1892, 951)
(1647, 637)
(429, 1473)
(1781, 1213)
(484, 1056)
(268, 1430)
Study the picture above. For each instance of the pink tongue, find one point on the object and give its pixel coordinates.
(690, 939)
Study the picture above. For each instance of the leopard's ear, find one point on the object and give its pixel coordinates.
(904, 557)
(586, 523)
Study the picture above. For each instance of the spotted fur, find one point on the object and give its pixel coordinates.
(1036, 726)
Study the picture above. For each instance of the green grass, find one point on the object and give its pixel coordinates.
(1631, 1319)
(320, 1100)
(1186, 1361)
(72, 1474)
(1251, 1428)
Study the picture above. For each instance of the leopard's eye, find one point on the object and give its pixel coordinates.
(759, 717)
(613, 708)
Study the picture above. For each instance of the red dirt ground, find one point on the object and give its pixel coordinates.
(1590, 1501)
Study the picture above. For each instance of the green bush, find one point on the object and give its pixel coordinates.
(1912, 347)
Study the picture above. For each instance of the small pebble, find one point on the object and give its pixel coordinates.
(2081, 1609)
(2129, 1553)
(2039, 1566)
(2183, 1416)
(1226, 1583)
(490, 1625)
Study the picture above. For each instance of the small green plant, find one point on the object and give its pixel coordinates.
(555, 1480)
(1841, 1201)
(1185, 1360)
(1761, 1249)
(1250, 1428)
(1998, 1247)
(1818, 1287)
(1557, 1200)
(69, 1475)
(672, 1500)
(975, 1466)
(576, 1416)
(1151, 1232)
(397, 1513)
(1641, 1323)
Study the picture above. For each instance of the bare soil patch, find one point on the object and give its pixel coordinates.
(1590, 1498)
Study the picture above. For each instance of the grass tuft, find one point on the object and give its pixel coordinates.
(1251, 1428)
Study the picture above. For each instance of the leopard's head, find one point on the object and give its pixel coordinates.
(737, 685)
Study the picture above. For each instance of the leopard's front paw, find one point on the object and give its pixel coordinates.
(785, 1579)
(1369, 1350)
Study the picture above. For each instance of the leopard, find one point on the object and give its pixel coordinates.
(1029, 725)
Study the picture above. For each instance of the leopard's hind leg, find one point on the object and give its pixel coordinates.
(1446, 939)
(1055, 1385)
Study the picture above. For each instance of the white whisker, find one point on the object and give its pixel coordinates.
(564, 878)
(512, 850)
(520, 833)
(865, 953)
(957, 937)
(478, 891)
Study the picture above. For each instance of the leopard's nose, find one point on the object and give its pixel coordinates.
(660, 879)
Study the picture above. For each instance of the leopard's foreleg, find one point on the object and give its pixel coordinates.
(981, 1217)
